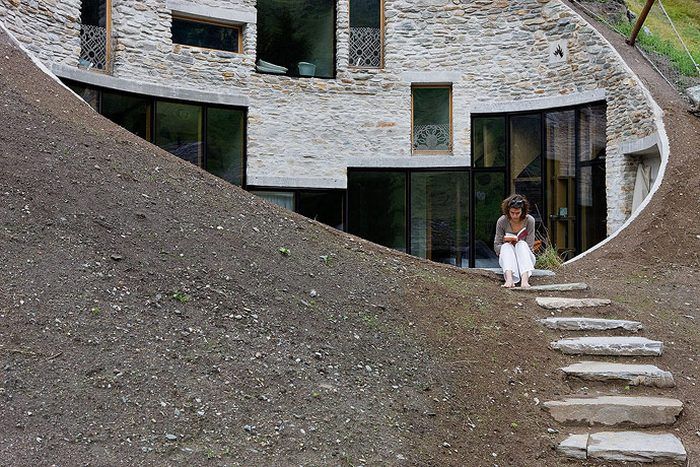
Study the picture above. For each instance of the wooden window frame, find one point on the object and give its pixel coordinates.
(382, 20)
(213, 22)
(450, 145)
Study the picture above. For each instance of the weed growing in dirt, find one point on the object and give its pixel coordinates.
(181, 297)
(95, 310)
(284, 251)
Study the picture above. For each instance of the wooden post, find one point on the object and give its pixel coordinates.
(640, 22)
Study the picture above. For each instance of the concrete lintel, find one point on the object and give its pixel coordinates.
(148, 89)
(431, 77)
(413, 162)
(253, 181)
(552, 102)
(236, 15)
(648, 145)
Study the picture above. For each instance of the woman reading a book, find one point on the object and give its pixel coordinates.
(515, 237)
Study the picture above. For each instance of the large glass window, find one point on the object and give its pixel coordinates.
(526, 160)
(432, 118)
(206, 34)
(129, 111)
(94, 34)
(327, 206)
(592, 202)
(489, 141)
(440, 216)
(489, 190)
(179, 130)
(561, 176)
(377, 207)
(296, 37)
(225, 143)
(366, 33)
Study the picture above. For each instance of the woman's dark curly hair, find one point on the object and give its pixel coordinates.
(515, 201)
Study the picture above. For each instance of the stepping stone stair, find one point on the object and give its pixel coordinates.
(554, 287)
(616, 410)
(628, 374)
(560, 303)
(608, 345)
(611, 411)
(590, 324)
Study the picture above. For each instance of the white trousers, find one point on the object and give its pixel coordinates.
(518, 258)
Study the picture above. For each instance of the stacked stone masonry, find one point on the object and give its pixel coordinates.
(310, 130)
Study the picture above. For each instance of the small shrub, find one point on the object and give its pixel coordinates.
(181, 297)
(548, 258)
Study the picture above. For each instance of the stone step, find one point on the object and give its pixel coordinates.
(608, 345)
(567, 287)
(632, 374)
(616, 410)
(558, 303)
(589, 324)
(631, 446)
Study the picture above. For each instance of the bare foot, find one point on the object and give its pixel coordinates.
(525, 281)
(508, 285)
(509, 280)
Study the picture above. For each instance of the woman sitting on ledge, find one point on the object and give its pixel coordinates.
(514, 240)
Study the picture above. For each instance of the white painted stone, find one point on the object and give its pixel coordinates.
(558, 303)
(632, 374)
(555, 287)
(635, 446)
(616, 410)
(575, 446)
(608, 345)
(589, 324)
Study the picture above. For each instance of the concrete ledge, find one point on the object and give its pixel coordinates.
(647, 145)
(431, 77)
(263, 181)
(565, 100)
(413, 161)
(231, 15)
(148, 89)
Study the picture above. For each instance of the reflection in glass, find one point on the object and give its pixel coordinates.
(489, 141)
(206, 35)
(298, 35)
(324, 206)
(592, 202)
(225, 143)
(489, 190)
(89, 95)
(377, 207)
(561, 176)
(128, 111)
(179, 130)
(440, 216)
(431, 119)
(284, 199)
(526, 160)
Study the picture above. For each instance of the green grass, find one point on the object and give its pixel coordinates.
(685, 15)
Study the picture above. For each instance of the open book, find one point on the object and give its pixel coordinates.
(515, 237)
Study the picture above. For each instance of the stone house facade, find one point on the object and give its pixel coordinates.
(497, 57)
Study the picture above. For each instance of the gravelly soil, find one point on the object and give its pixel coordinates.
(147, 316)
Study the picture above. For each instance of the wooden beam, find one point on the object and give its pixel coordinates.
(640, 21)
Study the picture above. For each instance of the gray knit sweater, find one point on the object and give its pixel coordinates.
(503, 226)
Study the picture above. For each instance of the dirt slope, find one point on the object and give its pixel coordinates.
(147, 317)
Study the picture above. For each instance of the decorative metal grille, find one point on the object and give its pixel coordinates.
(93, 46)
(366, 47)
(431, 137)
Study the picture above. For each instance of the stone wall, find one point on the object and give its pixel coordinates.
(307, 131)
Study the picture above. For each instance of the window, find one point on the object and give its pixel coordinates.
(432, 119)
(366, 34)
(325, 206)
(206, 34)
(94, 34)
(377, 207)
(296, 37)
(179, 130)
(129, 111)
(225, 143)
(489, 147)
